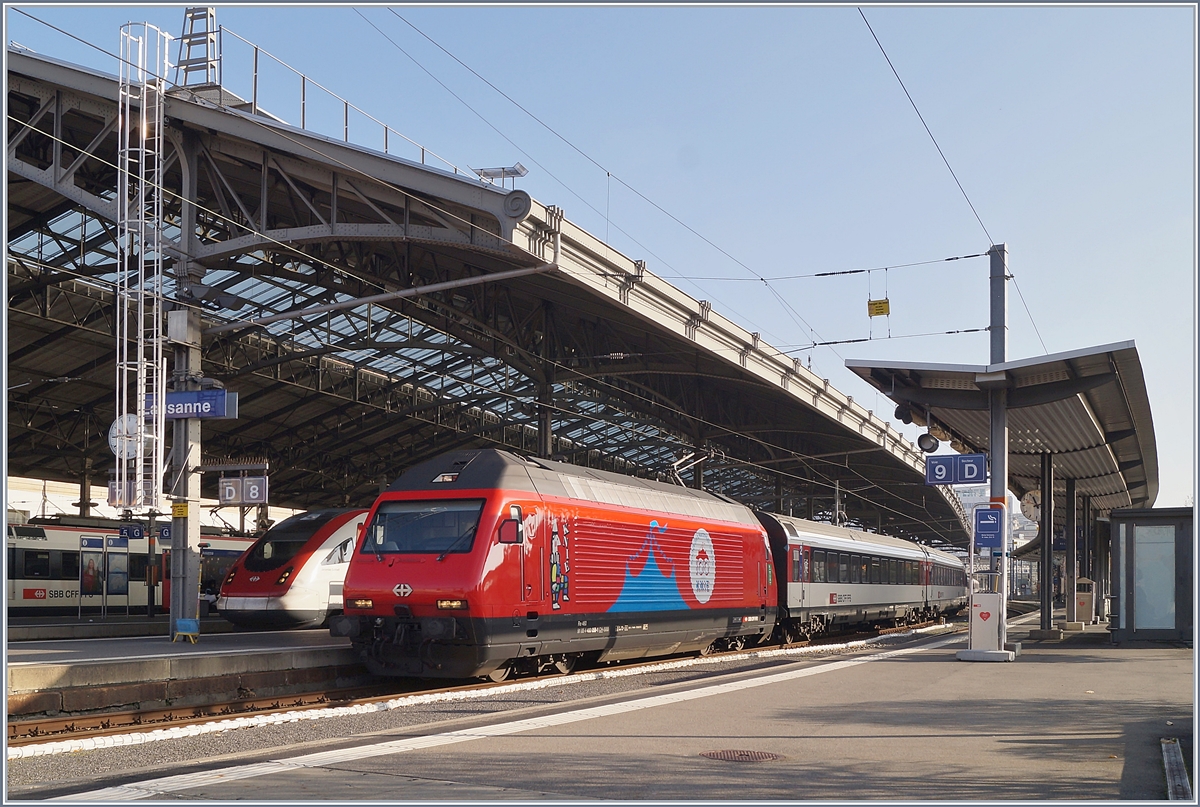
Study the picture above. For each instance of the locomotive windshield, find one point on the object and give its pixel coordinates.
(406, 528)
(284, 540)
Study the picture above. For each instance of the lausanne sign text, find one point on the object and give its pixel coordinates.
(205, 403)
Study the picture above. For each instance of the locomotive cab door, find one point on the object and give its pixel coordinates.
(528, 573)
(532, 574)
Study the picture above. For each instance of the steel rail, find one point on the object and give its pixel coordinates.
(100, 724)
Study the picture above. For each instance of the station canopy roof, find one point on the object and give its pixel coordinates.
(1087, 407)
(634, 374)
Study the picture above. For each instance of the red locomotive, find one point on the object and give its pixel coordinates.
(482, 563)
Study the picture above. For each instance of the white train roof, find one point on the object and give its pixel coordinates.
(828, 536)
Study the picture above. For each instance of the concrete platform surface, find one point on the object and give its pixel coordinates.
(1078, 719)
(85, 675)
(39, 628)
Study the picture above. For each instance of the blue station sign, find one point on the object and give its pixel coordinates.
(989, 528)
(204, 403)
(960, 469)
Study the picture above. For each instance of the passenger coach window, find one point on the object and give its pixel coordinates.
(137, 565)
(426, 527)
(282, 542)
(855, 573)
(891, 572)
(874, 570)
(70, 566)
(797, 566)
(831, 574)
(37, 563)
(819, 566)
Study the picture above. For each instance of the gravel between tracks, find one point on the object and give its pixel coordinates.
(30, 776)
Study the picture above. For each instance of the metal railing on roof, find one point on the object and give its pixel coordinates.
(305, 83)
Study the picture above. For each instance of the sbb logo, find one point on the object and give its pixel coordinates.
(34, 594)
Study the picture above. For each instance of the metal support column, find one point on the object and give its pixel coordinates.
(185, 477)
(998, 419)
(546, 387)
(1046, 531)
(997, 406)
(1071, 566)
(85, 503)
(1089, 533)
(545, 427)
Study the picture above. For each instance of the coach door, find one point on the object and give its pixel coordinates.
(11, 572)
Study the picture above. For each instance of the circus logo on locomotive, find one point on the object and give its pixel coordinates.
(702, 564)
(650, 583)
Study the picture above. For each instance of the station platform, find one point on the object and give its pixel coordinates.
(38, 628)
(1076, 718)
(96, 673)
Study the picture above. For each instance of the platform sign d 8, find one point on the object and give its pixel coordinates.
(254, 490)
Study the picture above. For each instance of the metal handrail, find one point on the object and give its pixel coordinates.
(346, 105)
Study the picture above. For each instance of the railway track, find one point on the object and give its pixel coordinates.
(50, 729)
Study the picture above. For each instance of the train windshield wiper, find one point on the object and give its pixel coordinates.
(470, 531)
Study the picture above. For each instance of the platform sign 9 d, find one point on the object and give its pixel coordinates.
(960, 469)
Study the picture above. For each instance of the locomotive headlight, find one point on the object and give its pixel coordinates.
(232, 572)
(283, 577)
(452, 605)
(362, 603)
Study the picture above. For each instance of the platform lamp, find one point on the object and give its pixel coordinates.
(928, 443)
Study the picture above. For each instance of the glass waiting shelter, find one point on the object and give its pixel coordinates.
(1151, 574)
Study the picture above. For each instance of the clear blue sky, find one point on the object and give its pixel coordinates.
(782, 135)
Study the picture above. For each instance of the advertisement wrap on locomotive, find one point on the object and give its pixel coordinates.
(483, 563)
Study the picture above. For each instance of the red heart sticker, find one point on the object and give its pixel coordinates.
(985, 615)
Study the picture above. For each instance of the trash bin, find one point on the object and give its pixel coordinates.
(1085, 600)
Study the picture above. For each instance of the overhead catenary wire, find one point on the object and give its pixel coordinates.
(308, 257)
(608, 173)
(952, 174)
(791, 311)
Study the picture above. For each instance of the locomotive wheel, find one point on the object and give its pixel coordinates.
(502, 673)
(709, 649)
(737, 643)
(566, 664)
